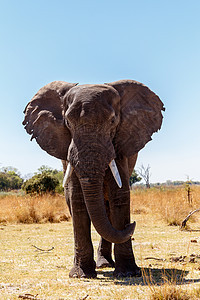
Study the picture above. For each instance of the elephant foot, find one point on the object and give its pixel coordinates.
(78, 272)
(105, 262)
(127, 272)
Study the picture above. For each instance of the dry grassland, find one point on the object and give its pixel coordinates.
(168, 203)
(38, 209)
(169, 257)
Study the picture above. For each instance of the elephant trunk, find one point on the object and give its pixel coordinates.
(90, 160)
(94, 199)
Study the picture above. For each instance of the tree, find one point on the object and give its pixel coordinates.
(56, 174)
(40, 184)
(15, 180)
(10, 179)
(134, 178)
(4, 182)
(145, 174)
(46, 180)
(46, 169)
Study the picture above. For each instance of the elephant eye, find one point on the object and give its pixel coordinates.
(113, 120)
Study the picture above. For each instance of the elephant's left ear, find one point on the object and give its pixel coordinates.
(140, 116)
(44, 120)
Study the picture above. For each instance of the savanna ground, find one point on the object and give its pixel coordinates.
(36, 249)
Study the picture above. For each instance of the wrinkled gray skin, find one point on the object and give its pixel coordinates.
(89, 126)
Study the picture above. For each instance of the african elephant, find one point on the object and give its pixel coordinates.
(97, 131)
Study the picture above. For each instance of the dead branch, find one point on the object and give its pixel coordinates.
(84, 297)
(161, 259)
(145, 174)
(187, 218)
(42, 249)
(29, 296)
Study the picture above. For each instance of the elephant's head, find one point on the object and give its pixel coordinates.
(89, 126)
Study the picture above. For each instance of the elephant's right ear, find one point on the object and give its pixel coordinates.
(44, 120)
(141, 116)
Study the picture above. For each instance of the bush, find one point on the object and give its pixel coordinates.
(56, 174)
(40, 184)
(10, 179)
(134, 178)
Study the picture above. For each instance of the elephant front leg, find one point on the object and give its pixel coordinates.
(125, 264)
(84, 264)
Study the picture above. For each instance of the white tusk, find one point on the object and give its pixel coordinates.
(115, 173)
(68, 174)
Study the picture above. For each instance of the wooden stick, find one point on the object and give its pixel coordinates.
(161, 259)
(43, 249)
(187, 218)
(29, 296)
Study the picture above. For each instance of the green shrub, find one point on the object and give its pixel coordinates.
(134, 178)
(10, 179)
(40, 184)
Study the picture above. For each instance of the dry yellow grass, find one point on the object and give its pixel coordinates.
(169, 203)
(37, 209)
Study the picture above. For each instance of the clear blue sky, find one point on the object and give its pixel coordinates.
(152, 41)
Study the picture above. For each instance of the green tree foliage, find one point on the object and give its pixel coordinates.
(4, 182)
(134, 178)
(46, 180)
(56, 174)
(40, 183)
(10, 179)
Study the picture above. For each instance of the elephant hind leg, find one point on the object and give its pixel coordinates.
(104, 252)
(104, 255)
